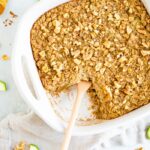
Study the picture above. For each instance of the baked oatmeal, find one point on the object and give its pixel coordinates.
(106, 42)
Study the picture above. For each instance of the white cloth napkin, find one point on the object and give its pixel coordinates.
(31, 129)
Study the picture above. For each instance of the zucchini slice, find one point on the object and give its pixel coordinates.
(34, 147)
(3, 86)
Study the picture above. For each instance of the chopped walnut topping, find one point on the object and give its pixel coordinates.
(45, 68)
(117, 16)
(106, 42)
(117, 85)
(66, 15)
(98, 66)
(129, 29)
(122, 59)
(102, 70)
(77, 61)
(42, 54)
(145, 52)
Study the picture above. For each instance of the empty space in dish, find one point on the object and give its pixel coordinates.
(63, 104)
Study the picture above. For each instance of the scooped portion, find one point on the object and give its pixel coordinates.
(106, 42)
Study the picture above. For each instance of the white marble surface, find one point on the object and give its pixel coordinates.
(10, 101)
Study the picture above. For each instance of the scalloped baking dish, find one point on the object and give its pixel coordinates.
(28, 83)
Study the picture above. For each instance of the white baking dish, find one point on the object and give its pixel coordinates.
(29, 85)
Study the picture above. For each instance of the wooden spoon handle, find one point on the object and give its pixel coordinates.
(72, 120)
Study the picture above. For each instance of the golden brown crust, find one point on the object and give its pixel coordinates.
(106, 42)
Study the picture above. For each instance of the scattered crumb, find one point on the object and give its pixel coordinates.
(7, 22)
(13, 14)
(10, 20)
(5, 57)
(20, 146)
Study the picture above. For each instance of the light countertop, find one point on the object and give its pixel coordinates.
(10, 101)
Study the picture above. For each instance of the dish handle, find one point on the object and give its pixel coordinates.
(29, 85)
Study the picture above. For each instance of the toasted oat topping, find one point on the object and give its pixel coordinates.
(106, 42)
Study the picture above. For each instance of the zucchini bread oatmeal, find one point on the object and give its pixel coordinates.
(106, 42)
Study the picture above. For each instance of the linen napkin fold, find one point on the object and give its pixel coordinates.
(31, 129)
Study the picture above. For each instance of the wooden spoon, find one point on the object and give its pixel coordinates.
(82, 88)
